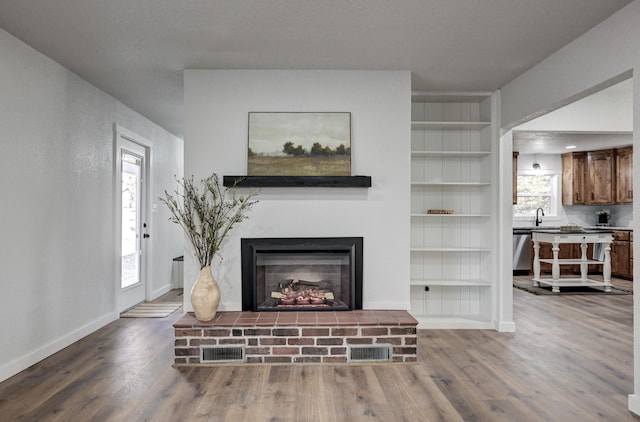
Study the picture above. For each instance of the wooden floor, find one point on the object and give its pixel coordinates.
(570, 360)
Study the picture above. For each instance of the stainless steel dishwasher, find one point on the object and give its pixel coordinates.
(521, 251)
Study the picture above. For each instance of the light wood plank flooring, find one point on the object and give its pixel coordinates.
(570, 360)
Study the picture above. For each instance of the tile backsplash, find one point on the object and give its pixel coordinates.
(585, 215)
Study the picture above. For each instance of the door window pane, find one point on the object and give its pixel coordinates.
(130, 250)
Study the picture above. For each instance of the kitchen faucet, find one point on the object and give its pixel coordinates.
(538, 217)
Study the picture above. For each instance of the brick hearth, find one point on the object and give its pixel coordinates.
(296, 337)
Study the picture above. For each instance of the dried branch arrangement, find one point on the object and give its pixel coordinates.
(207, 213)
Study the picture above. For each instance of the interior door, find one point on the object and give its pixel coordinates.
(132, 208)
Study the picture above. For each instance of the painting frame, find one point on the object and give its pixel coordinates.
(299, 143)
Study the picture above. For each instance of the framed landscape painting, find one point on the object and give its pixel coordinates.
(299, 144)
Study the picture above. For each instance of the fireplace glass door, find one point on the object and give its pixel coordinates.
(300, 274)
(302, 281)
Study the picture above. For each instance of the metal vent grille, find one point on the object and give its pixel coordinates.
(222, 354)
(381, 352)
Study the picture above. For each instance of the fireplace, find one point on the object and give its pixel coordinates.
(300, 274)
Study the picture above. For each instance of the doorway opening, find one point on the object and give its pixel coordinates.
(562, 142)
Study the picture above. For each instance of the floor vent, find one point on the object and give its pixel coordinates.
(222, 354)
(378, 353)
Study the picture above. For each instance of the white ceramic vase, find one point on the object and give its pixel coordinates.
(205, 295)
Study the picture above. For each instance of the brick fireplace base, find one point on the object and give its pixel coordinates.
(296, 337)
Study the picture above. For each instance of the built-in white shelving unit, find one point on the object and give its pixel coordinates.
(452, 255)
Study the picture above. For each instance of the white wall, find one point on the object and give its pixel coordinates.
(217, 103)
(57, 225)
(607, 51)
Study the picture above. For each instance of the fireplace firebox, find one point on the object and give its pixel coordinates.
(299, 274)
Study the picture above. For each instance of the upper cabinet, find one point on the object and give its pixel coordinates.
(600, 177)
(573, 175)
(624, 176)
(597, 177)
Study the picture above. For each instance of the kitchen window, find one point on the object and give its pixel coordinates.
(538, 191)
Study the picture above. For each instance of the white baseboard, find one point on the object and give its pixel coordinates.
(385, 306)
(453, 324)
(633, 404)
(34, 356)
(159, 292)
(506, 327)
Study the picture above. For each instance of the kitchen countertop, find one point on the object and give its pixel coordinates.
(593, 229)
(577, 231)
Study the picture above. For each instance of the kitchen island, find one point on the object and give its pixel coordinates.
(583, 237)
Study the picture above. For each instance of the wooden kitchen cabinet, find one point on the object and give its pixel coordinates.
(600, 180)
(624, 175)
(622, 254)
(573, 178)
(598, 177)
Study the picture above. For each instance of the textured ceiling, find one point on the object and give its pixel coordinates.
(136, 50)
